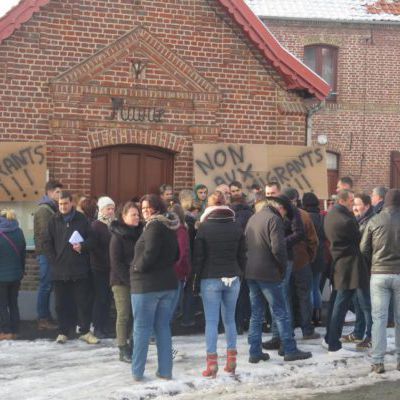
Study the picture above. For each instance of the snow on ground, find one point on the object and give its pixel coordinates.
(44, 370)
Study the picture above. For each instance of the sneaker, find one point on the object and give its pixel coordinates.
(314, 335)
(341, 353)
(272, 344)
(257, 359)
(297, 355)
(46, 325)
(324, 344)
(366, 344)
(378, 368)
(89, 338)
(61, 339)
(165, 378)
(350, 338)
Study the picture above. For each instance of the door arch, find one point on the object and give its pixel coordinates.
(127, 171)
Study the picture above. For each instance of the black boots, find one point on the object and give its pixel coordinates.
(125, 353)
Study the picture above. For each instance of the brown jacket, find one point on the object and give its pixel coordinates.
(305, 251)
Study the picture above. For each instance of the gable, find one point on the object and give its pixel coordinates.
(148, 50)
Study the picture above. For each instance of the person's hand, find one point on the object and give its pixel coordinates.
(77, 247)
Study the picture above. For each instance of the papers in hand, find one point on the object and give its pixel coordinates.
(76, 238)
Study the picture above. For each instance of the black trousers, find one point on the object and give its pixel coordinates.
(72, 295)
(102, 300)
(9, 311)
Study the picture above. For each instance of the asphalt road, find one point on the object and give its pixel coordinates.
(379, 391)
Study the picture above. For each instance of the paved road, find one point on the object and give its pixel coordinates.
(379, 391)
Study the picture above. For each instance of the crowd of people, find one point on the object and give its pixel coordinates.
(256, 257)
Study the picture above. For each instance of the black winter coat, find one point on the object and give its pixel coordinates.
(342, 231)
(152, 268)
(122, 251)
(219, 247)
(243, 213)
(266, 248)
(99, 255)
(318, 265)
(67, 264)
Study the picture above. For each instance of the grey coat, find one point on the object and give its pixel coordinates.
(266, 247)
(380, 242)
(342, 231)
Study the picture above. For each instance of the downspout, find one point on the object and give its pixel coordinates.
(313, 109)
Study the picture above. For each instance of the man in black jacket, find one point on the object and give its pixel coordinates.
(350, 274)
(363, 211)
(69, 260)
(380, 246)
(265, 273)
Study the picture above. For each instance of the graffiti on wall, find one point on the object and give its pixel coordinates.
(22, 171)
(303, 168)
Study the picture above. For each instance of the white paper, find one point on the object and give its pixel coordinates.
(76, 238)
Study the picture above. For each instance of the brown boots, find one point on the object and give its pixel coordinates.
(230, 361)
(212, 363)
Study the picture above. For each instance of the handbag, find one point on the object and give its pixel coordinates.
(11, 243)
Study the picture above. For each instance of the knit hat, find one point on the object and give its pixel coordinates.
(392, 198)
(104, 202)
(310, 200)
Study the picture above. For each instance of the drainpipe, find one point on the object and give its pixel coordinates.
(313, 109)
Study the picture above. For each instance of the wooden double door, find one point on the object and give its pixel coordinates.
(128, 171)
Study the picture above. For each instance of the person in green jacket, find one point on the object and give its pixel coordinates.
(12, 266)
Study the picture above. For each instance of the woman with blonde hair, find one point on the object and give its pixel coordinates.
(12, 265)
(219, 261)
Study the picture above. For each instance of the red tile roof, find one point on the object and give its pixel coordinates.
(294, 72)
(384, 7)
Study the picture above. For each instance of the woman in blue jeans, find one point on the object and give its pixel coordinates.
(153, 286)
(219, 261)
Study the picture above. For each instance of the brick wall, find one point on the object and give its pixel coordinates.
(31, 277)
(364, 125)
(59, 71)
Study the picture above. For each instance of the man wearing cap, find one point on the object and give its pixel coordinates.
(304, 253)
(294, 233)
(265, 274)
(100, 265)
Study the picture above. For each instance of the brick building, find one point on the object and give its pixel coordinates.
(120, 90)
(355, 46)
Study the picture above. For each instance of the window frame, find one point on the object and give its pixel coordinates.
(332, 97)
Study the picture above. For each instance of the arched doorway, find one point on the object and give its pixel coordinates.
(126, 171)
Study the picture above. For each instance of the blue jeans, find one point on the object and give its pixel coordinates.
(177, 298)
(316, 297)
(152, 311)
(300, 285)
(217, 297)
(45, 287)
(383, 286)
(339, 305)
(363, 324)
(275, 295)
(286, 289)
